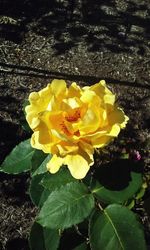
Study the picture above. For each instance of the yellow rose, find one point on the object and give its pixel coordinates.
(71, 122)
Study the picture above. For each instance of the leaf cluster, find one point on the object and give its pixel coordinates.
(93, 213)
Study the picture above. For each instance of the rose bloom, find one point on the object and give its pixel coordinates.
(70, 123)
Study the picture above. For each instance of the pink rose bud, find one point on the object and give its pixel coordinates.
(137, 155)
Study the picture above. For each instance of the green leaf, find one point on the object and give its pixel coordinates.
(67, 206)
(130, 204)
(117, 228)
(19, 160)
(55, 181)
(124, 156)
(39, 164)
(25, 126)
(25, 103)
(38, 193)
(82, 246)
(117, 181)
(141, 192)
(109, 196)
(43, 238)
(37, 159)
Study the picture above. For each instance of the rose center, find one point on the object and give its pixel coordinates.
(73, 117)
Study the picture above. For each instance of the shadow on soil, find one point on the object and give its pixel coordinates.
(101, 25)
(15, 187)
(46, 74)
(17, 244)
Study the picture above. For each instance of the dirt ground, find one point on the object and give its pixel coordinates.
(82, 41)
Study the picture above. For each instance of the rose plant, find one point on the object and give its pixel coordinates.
(74, 195)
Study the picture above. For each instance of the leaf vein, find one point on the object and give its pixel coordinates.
(111, 222)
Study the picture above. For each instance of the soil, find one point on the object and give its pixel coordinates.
(82, 41)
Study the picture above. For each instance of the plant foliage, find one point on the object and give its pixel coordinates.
(65, 203)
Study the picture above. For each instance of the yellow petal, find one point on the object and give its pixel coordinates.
(109, 99)
(72, 102)
(90, 121)
(66, 148)
(53, 104)
(45, 118)
(35, 123)
(58, 87)
(77, 165)
(87, 151)
(52, 119)
(103, 83)
(118, 116)
(32, 118)
(54, 164)
(87, 96)
(95, 135)
(59, 135)
(39, 103)
(45, 136)
(44, 141)
(100, 142)
(100, 89)
(46, 92)
(36, 144)
(114, 130)
(74, 90)
(33, 97)
(126, 119)
(35, 140)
